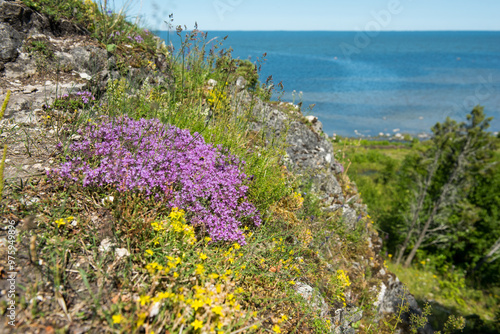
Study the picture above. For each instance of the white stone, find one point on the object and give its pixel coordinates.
(105, 246)
(121, 252)
(328, 158)
(212, 83)
(155, 309)
(312, 119)
(85, 76)
(381, 295)
(108, 199)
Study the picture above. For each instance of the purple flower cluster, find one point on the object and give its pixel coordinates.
(86, 96)
(169, 164)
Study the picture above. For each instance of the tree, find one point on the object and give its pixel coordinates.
(423, 182)
(456, 151)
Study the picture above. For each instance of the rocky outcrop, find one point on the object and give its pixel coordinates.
(310, 153)
(308, 150)
(28, 22)
(11, 41)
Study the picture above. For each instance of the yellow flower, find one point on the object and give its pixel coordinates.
(157, 227)
(117, 318)
(203, 256)
(291, 282)
(149, 252)
(284, 317)
(144, 299)
(197, 304)
(208, 239)
(422, 262)
(213, 276)
(200, 270)
(236, 246)
(276, 329)
(254, 327)
(217, 310)
(142, 317)
(176, 275)
(60, 222)
(197, 324)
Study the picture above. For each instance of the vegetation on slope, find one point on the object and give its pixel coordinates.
(455, 262)
(104, 252)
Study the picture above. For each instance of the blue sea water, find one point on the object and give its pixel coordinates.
(393, 82)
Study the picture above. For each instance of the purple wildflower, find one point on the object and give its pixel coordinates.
(86, 96)
(168, 163)
(138, 39)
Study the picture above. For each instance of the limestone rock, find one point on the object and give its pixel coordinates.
(89, 59)
(313, 297)
(10, 41)
(317, 126)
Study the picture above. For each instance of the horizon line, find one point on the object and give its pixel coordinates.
(356, 31)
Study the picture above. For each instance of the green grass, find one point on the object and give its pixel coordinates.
(449, 295)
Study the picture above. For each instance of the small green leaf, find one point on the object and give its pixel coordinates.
(111, 47)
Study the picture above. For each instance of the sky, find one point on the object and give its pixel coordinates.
(329, 15)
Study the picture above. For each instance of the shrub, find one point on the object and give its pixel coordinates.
(169, 164)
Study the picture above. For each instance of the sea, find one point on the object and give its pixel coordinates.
(367, 85)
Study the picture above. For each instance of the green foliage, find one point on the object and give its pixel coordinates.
(40, 47)
(247, 70)
(457, 255)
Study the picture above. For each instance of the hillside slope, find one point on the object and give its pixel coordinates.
(84, 256)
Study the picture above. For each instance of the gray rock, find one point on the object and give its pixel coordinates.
(350, 217)
(23, 67)
(23, 102)
(89, 59)
(240, 84)
(317, 126)
(26, 21)
(10, 41)
(344, 318)
(312, 297)
(65, 60)
(391, 297)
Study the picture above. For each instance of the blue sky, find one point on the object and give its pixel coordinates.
(355, 15)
